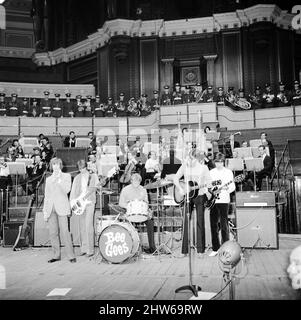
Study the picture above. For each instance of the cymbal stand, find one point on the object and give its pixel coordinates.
(160, 244)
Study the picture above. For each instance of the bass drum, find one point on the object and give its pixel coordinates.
(118, 242)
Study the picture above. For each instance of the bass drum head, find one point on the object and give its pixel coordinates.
(118, 242)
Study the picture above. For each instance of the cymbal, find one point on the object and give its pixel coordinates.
(107, 191)
(158, 184)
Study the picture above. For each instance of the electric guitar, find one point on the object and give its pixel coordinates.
(22, 239)
(79, 204)
(215, 191)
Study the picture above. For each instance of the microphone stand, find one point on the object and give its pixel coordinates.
(193, 288)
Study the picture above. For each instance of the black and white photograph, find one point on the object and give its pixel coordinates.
(150, 153)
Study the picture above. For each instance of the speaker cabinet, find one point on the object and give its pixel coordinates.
(10, 232)
(257, 227)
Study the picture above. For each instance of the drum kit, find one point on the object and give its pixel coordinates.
(118, 239)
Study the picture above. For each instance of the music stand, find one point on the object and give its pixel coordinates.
(16, 168)
(235, 165)
(255, 143)
(254, 165)
(212, 135)
(256, 153)
(244, 153)
(27, 162)
(82, 142)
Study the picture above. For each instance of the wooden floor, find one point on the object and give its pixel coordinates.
(29, 276)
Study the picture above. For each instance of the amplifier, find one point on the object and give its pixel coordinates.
(257, 227)
(255, 199)
(10, 232)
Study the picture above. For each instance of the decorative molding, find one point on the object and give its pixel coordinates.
(160, 28)
(36, 90)
(14, 52)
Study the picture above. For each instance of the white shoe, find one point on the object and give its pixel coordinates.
(213, 254)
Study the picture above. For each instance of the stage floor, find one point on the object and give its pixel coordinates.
(29, 276)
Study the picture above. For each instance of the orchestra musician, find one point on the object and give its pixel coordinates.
(267, 167)
(83, 183)
(219, 212)
(24, 108)
(152, 167)
(68, 106)
(268, 97)
(155, 101)
(135, 191)
(145, 107)
(177, 96)
(134, 108)
(296, 94)
(13, 106)
(220, 96)
(34, 109)
(256, 98)
(198, 173)
(57, 107)
(121, 109)
(282, 98)
(110, 108)
(198, 93)
(79, 108)
(188, 97)
(35, 172)
(3, 105)
(56, 210)
(45, 105)
(89, 112)
(69, 141)
(166, 98)
(98, 107)
(268, 143)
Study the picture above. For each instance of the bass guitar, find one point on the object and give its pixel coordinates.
(22, 239)
(215, 191)
(79, 204)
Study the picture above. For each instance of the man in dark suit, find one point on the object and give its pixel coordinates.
(69, 141)
(267, 166)
(268, 143)
(230, 146)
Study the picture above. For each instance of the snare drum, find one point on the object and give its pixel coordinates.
(118, 242)
(137, 211)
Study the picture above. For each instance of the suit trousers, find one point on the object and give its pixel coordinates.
(55, 224)
(199, 203)
(219, 214)
(86, 226)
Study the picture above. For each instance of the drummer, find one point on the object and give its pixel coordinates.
(135, 191)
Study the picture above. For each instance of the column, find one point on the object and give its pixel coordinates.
(167, 72)
(210, 68)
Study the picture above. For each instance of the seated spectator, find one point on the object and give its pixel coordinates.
(69, 141)
(282, 98)
(34, 109)
(188, 96)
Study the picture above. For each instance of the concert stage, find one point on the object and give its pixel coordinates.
(30, 277)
